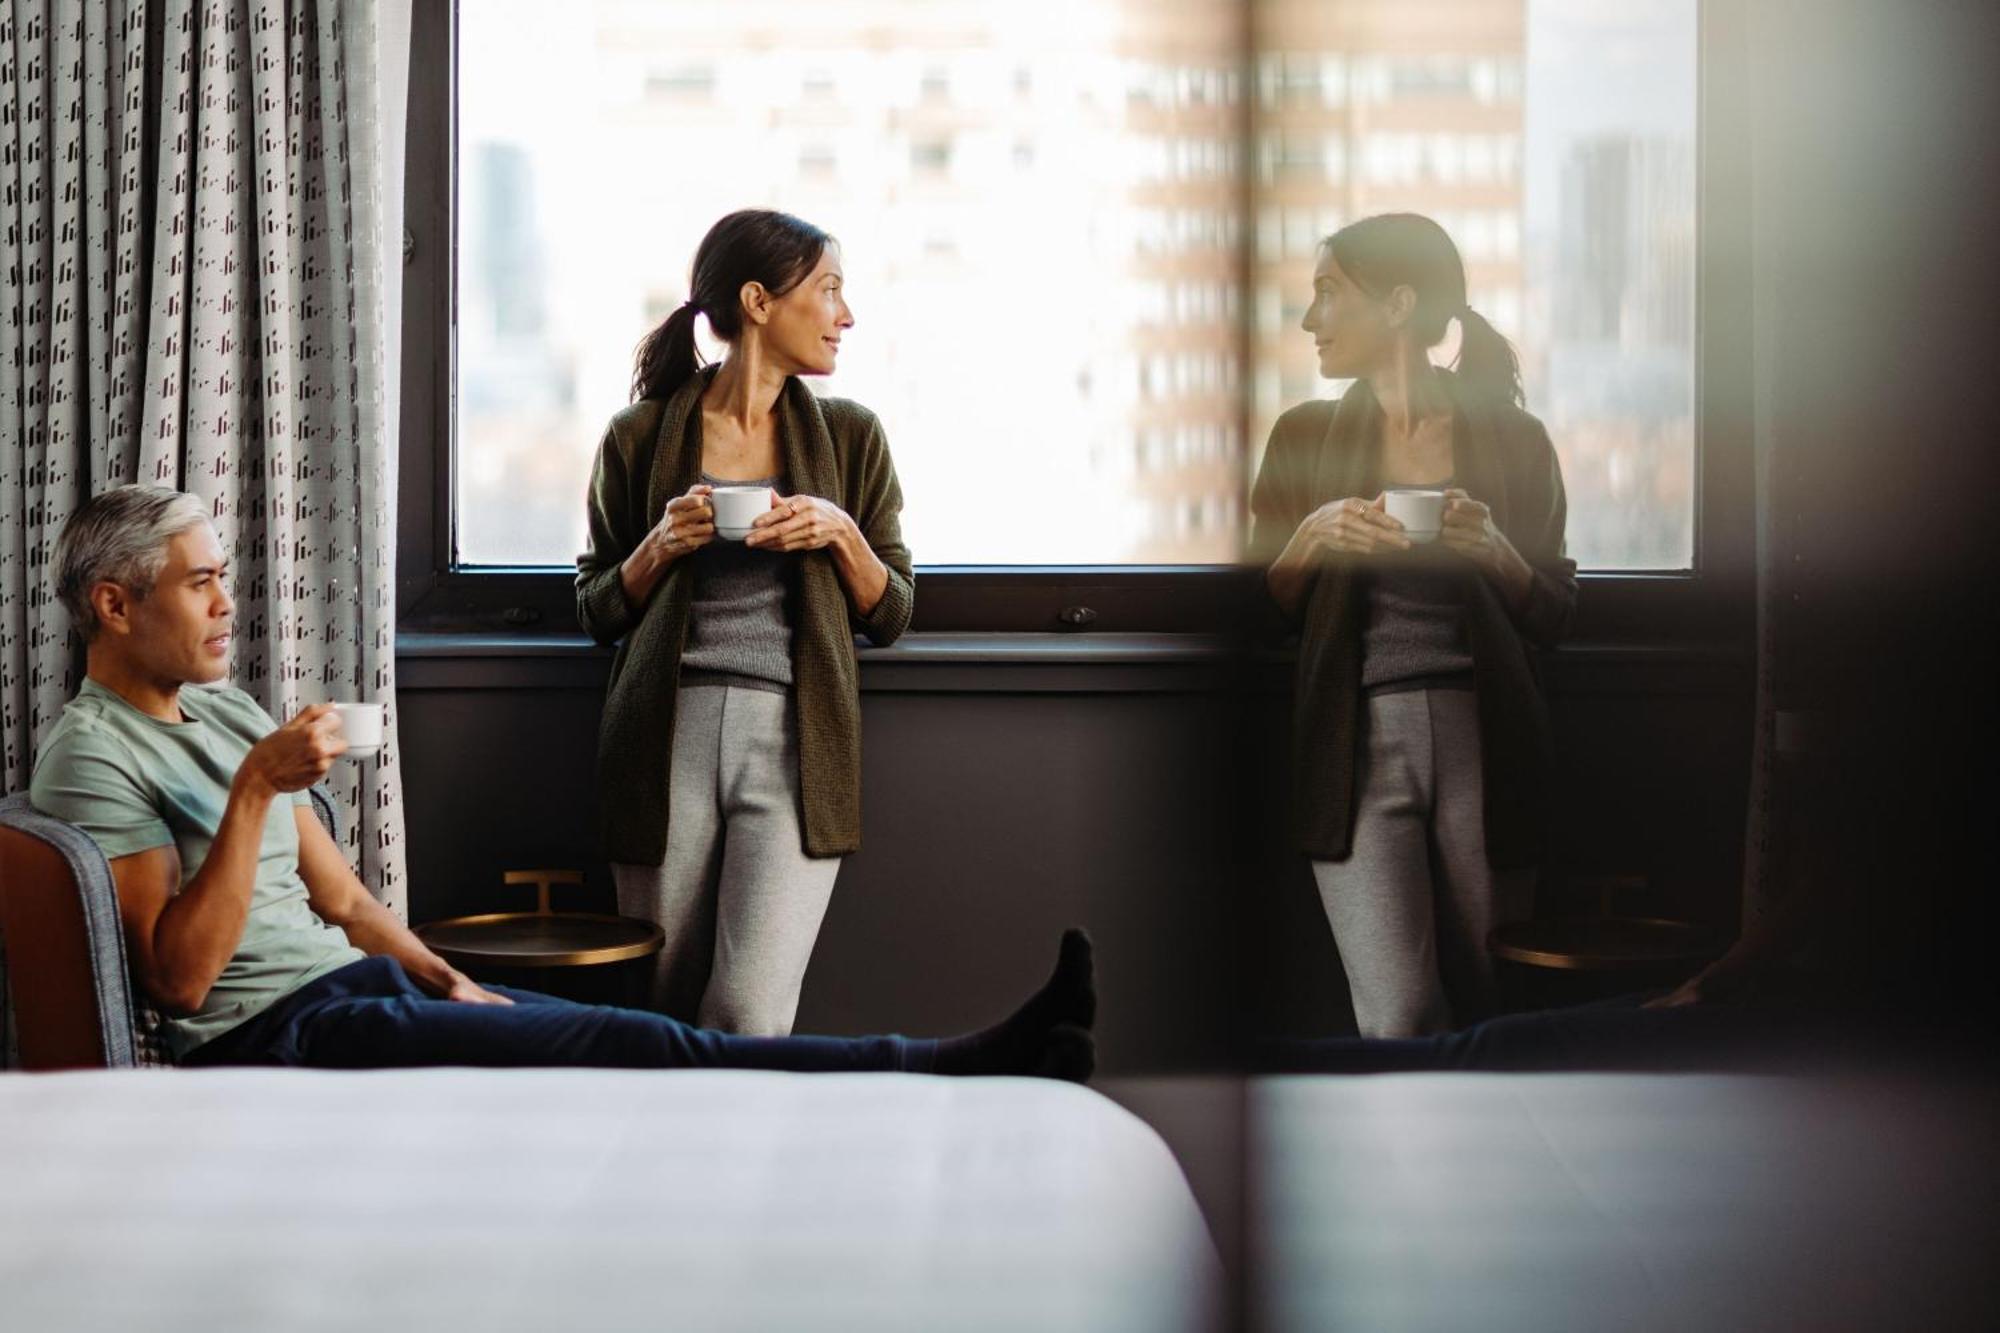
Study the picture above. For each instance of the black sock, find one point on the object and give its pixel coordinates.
(1068, 1053)
(1048, 1036)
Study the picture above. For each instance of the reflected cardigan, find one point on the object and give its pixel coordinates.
(1321, 451)
(651, 452)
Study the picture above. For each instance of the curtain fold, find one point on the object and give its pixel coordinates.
(192, 215)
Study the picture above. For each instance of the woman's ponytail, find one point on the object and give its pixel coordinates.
(1486, 360)
(667, 357)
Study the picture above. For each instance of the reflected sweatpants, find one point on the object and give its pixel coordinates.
(1413, 903)
(370, 1015)
(737, 897)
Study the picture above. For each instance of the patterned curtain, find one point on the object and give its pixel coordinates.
(196, 294)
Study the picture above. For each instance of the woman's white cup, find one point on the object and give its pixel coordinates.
(737, 507)
(361, 726)
(1419, 510)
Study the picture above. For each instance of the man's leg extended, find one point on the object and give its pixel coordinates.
(371, 1015)
(386, 1021)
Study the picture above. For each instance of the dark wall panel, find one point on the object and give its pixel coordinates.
(990, 822)
(1153, 815)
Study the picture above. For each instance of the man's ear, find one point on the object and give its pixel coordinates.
(113, 604)
(1402, 303)
(756, 303)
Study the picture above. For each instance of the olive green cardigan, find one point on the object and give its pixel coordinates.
(651, 452)
(1322, 451)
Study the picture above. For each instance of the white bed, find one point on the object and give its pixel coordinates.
(1614, 1202)
(589, 1200)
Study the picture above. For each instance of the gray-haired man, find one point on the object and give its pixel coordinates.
(243, 920)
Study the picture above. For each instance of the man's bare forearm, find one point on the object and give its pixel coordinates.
(374, 929)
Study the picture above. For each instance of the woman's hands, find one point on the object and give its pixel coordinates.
(1357, 527)
(1340, 527)
(801, 523)
(1470, 531)
(687, 525)
(1352, 527)
(813, 523)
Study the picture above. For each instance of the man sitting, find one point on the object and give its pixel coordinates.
(244, 922)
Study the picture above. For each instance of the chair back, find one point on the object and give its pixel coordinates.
(74, 1002)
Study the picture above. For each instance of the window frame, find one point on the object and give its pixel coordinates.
(1706, 609)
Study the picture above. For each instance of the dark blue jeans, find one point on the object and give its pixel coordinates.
(370, 1015)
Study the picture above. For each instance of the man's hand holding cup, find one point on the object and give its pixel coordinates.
(296, 755)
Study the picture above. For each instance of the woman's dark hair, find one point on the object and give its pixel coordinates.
(752, 245)
(1391, 250)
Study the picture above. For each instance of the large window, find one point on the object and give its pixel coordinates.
(1077, 237)
(1555, 141)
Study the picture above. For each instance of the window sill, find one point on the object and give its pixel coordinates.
(1037, 663)
(947, 662)
(944, 647)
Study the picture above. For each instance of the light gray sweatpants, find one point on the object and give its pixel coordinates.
(737, 897)
(1412, 906)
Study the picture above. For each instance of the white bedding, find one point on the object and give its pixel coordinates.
(1614, 1202)
(587, 1200)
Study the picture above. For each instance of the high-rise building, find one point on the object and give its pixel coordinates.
(1183, 131)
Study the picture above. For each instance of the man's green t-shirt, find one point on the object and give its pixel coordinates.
(133, 782)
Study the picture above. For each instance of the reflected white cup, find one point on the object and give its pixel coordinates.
(737, 507)
(361, 726)
(1419, 509)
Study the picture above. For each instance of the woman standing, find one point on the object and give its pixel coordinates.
(729, 756)
(1422, 753)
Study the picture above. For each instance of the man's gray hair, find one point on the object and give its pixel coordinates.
(120, 537)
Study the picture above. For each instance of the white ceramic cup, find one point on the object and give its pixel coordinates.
(1420, 511)
(361, 725)
(737, 507)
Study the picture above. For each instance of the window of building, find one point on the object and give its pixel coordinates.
(682, 82)
(1553, 138)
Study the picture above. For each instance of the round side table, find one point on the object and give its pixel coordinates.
(499, 946)
(1563, 960)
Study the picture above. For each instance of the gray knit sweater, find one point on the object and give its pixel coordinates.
(1413, 629)
(740, 616)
